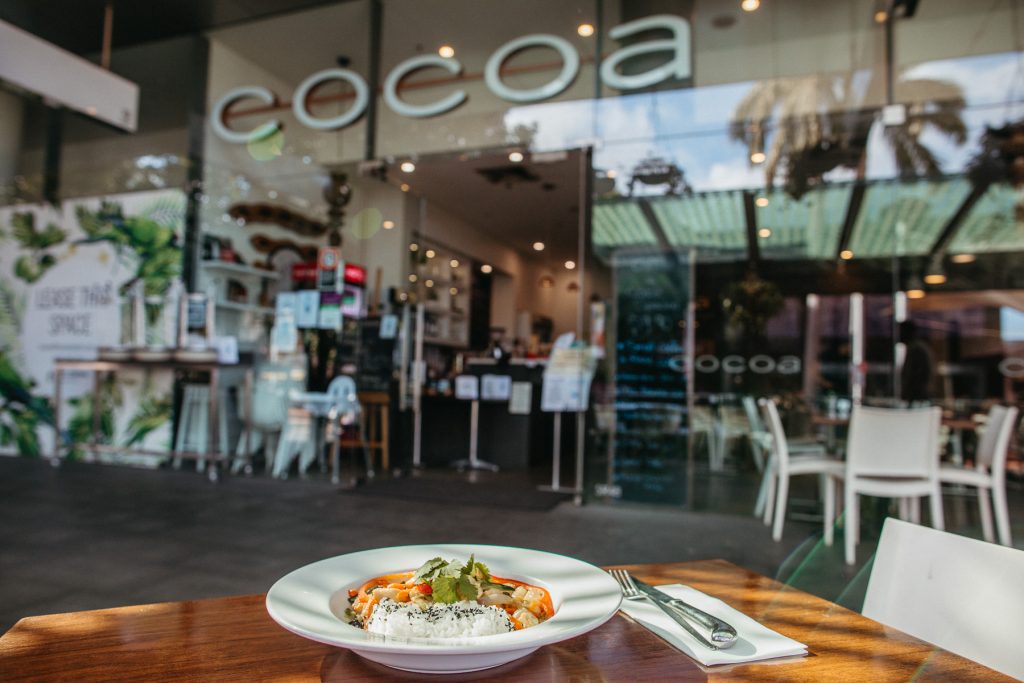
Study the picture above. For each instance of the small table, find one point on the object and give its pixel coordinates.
(211, 456)
(233, 639)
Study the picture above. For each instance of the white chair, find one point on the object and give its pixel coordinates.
(892, 453)
(193, 433)
(302, 435)
(729, 425)
(263, 416)
(958, 593)
(989, 472)
(781, 466)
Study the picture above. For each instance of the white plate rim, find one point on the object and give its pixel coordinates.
(589, 613)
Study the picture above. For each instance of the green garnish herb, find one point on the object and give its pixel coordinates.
(451, 581)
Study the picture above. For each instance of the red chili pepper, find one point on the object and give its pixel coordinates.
(424, 588)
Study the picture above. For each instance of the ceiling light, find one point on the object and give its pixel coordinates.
(755, 158)
(414, 247)
(750, 5)
(915, 293)
(430, 253)
(585, 30)
(412, 277)
(453, 291)
(764, 232)
(761, 201)
(387, 225)
(881, 16)
(570, 265)
(963, 258)
(935, 279)
(846, 254)
(611, 173)
(408, 166)
(515, 157)
(538, 246)
(446, 51)
(485, 269)
(429, 283)
(454, 263)
(405, 187)
(403, 297)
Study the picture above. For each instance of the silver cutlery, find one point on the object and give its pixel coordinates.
(722, 635)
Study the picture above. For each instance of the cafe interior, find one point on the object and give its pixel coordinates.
(725, 291)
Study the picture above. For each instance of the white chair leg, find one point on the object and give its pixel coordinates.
(1002, 514)
(915, 509)
(852, 525)
(830, 507)
(762, 493)
(769, 499)
(985, 512)
(935, 500)
(780, 507)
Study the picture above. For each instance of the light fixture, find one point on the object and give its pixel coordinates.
(485, 269)
(935, 275)
(408, 167)
(963, 258)
(430, 253)
(881, 16)
(915, 293)
(387, 225)
(935, 279)
(570, 265)
(764, 232)
(404, 187)
(454, 263)
(761, 201)
(446, 51)
(403, 297)
(453, 291)
(750, 5)
(757, 158)
(428, 283)
(846, 254)
(414, 247)
(515, 157)
(538, 246)
(412, 277)
(610, 173)
(546, 282)
(585, 30)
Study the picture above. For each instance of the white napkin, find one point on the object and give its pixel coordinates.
(753, 642)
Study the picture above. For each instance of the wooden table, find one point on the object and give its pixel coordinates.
(229, 639)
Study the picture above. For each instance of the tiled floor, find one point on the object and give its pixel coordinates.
(90, 536)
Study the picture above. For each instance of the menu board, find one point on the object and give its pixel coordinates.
(652, 298)
(372, 355)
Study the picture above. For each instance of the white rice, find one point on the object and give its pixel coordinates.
(457, 620)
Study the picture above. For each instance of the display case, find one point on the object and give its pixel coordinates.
(442, 280)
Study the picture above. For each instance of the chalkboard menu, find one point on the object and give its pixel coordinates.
(652, 297)
(361, 346)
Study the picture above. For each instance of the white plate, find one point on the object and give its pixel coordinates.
(311, 602)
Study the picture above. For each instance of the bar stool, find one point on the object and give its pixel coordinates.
(193, 433)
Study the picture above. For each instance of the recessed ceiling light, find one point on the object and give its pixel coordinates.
(408, 166)
(570, 265)
(515, 157)
(764, 232)
(585, 30)
(413, 277)
(750, 5)
(761, 201)
(405, 187)
(453, 291)
(846, 254)
(446, 51)
(485, 269)
(881, 16)
(538, 246)
(963, 258)
(454, 263)
(387, 225)
(429, 283)
(414, 247)
(430, 253)
(610, 173)
(756, 158)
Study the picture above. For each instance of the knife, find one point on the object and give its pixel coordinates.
(722, 634)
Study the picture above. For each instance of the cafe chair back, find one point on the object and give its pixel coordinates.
(263, 414)
(958, 593)
(782, 465)
(989, 473)
(891, 453)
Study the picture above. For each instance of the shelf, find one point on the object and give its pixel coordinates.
(246, 308)
(239, 269)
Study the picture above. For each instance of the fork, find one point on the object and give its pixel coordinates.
(631, 592)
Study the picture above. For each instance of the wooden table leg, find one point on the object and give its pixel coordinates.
(57, 399)
(213, 442)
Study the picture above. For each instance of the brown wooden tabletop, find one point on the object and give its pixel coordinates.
(228, 639)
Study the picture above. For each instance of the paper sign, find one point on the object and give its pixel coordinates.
(227, 350)
(388, 326)
(308, 309)
(495, 387)
(567, 380)
(329, 317)
(520, 403)
(286, 302)
(467, 387)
